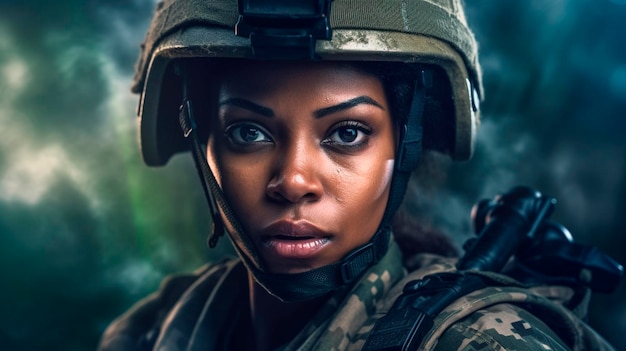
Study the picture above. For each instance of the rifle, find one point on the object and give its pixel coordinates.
(515, 237)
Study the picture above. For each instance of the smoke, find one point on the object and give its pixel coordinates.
(83, 233)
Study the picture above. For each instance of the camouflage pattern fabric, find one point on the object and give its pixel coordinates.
(201, 312)
(512, 318)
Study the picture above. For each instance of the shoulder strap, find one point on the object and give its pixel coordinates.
(412, 314)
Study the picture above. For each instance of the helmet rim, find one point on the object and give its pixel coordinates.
(346, 45)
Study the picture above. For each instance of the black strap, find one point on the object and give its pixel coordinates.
(188, 125)
(320, 281)
(412, 134)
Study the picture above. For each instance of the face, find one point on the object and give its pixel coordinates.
(304, 153)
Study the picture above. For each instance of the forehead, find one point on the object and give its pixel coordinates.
(266, 77)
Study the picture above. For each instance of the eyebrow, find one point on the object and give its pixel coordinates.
(248, 105)
(268, 112)
(347, 105)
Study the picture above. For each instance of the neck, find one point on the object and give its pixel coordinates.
(275, 323)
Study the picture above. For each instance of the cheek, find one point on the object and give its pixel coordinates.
(382, 183)
(364, 195)
(363, 203)
(234, 177)
(243, 186)
(212, 161)
(376, 195)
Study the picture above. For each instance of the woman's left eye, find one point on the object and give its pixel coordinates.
(348, 133)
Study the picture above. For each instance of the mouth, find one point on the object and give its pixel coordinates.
(293, 240)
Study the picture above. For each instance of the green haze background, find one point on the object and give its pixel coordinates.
(86, 229)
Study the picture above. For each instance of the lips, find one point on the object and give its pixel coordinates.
(293, 240)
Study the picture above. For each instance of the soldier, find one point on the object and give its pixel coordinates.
(305, 121)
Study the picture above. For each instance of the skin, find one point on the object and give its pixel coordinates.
(304, 154)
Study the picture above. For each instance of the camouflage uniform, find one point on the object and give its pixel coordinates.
(201, 312)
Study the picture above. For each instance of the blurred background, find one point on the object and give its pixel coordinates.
(86, 229)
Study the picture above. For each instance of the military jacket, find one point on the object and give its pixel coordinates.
(201, 312)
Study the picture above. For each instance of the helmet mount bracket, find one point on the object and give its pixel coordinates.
(284, 29)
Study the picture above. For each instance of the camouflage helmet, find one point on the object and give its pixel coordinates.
(433, 32)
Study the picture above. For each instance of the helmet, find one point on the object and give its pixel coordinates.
(425, 31)
(413, 33)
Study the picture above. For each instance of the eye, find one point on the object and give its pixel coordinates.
(347, 134)
(351, 134)
(246, 134)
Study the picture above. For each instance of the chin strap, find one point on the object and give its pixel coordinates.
(320, 281)
(323, 280)
(212, 190)
(208, 181)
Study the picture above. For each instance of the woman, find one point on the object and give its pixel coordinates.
(301, 151)
(305, 161)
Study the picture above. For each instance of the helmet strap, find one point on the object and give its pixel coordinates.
(208, 181)
(411, 135)
(212, 190)
(409, 150)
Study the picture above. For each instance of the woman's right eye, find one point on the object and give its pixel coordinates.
(246, 134)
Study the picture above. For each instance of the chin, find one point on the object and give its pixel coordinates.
(291, 267)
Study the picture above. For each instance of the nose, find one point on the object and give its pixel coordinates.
(296, 177)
